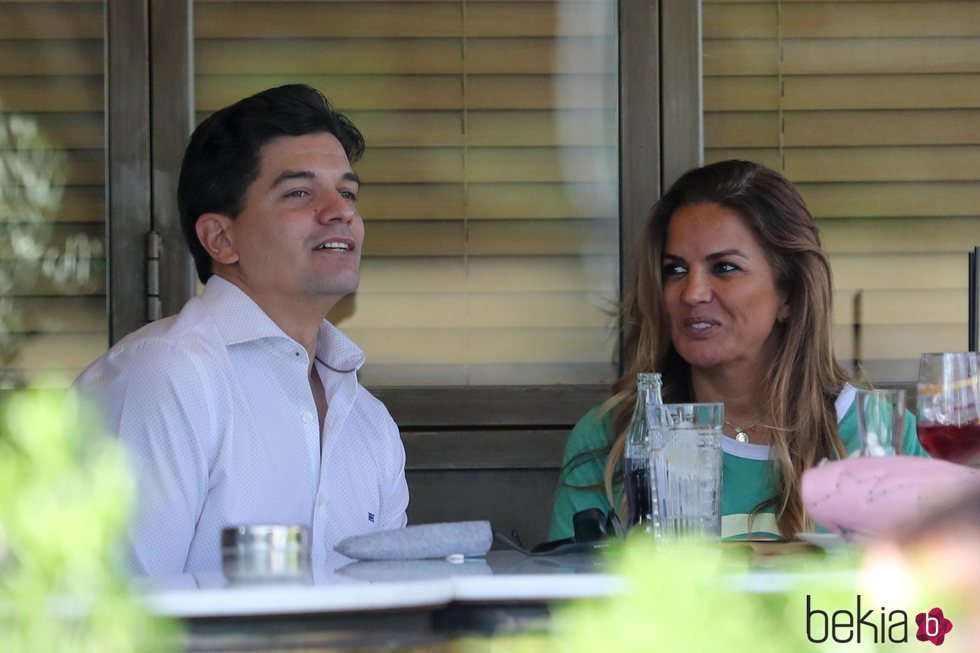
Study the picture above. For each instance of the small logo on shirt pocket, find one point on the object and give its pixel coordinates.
(371, 517)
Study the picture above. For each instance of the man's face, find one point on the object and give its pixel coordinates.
(299, 235)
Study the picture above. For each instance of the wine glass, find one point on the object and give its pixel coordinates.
(949, 406)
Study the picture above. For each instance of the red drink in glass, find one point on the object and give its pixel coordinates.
(949, 405)
(952, 442)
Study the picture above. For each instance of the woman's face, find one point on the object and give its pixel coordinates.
(721, 296)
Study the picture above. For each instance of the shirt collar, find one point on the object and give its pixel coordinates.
(337, 351)
(844, 401)
(239, 319)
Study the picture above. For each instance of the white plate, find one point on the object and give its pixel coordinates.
(829, 542)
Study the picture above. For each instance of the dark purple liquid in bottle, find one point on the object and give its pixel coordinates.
(638, 491)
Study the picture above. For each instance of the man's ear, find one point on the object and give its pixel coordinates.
(215, 231)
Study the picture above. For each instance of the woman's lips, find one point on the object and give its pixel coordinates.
(700, 327)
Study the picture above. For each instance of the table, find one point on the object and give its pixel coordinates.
(385, 605)
(424, 603)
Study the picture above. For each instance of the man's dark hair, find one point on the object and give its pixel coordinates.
(223, 156)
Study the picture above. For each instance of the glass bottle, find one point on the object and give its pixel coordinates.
(641, 504)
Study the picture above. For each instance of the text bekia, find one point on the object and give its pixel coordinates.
(843, 626)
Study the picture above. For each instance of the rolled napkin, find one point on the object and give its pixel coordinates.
(467, 538)
(862, 498)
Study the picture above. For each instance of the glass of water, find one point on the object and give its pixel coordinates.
(881, 421)
(686, 458)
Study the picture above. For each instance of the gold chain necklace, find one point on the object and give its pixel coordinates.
(742, 435)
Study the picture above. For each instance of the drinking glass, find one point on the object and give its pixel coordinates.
(948, 398)
(687, 468)
(881, 421)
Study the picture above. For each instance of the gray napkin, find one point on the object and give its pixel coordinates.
(469, 538)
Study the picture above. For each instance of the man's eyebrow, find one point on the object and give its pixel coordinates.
(287, 175)
(308, 174)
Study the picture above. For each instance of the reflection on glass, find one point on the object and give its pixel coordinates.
(33, 254)
(52, 216)
(31, 185)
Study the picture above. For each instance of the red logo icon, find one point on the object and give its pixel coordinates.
(933, 626)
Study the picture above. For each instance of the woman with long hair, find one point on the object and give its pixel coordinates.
(731, 303)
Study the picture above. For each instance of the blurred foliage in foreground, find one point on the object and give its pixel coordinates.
(64, 499)
(700, 598)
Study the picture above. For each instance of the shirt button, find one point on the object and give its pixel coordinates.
(307, 418)
(320, 500)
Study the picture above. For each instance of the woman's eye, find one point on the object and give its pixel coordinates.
(672, 270)
(299, 192)
(349, 195)
(723, 267)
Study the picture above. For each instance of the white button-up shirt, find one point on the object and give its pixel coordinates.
(215, 409)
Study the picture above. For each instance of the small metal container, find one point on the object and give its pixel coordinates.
(266, 553)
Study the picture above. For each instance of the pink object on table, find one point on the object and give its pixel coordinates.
(862, 498)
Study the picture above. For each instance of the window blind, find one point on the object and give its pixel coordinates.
(873, 110)
(52, 208)
(490, 179)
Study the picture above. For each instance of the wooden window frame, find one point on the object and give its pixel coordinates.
(148, 47)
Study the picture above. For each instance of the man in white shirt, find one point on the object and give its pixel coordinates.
(245, 408)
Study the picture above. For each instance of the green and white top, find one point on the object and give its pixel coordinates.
(748, 475)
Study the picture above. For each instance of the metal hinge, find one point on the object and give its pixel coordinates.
(154, 246)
